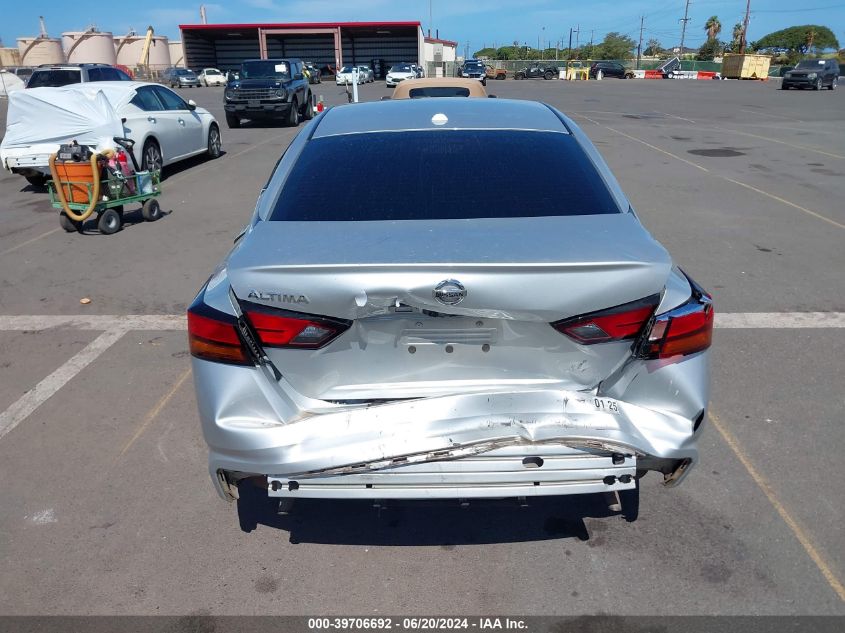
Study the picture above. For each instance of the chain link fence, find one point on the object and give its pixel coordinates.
(451, 69)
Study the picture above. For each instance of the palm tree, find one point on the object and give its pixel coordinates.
(736, 36)
(713, 27)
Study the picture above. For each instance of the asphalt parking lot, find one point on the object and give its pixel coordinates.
(107, 506)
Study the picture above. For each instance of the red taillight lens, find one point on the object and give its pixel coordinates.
(685, 330)
(277, 328)
(614, 324)
(215, 337)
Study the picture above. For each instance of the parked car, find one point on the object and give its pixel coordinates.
(315, 75)
(610, 69)
(180, 78)
(452, 360)
(474, 69)
(345, 76)
(269, 89)
(399, 72)
(164, 127)
(56, 75)
(212, 77)
(812, 73)
(367, 72)
(495, 73)
(438, 87)
(535, 71)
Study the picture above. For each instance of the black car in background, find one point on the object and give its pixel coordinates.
(610, 69)
(315, 75)
(812, 73)
(474, 69)
(268, 89)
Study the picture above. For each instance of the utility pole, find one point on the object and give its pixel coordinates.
(640, 45)
(685, 19)
(570, 45)
(744, 39)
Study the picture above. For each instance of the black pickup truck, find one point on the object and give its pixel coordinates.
(268, 89)
(534, 71)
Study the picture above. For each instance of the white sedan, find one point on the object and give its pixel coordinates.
(345, 76)
(212, 77)
(400, 72)
(165, 127)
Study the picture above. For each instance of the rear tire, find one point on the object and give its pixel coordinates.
(38, 180)
(308, 110)
(630, 503)
(293, 114)
(151, 211)
(519, 76)
(833, 83)
(109, 222)
(548, 76)
(215, 145)
(71, 226)
(151, 157)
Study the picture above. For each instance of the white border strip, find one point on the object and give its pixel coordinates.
(178, 322)
(33, 398)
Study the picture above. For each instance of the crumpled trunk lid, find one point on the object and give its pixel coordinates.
(519, 275)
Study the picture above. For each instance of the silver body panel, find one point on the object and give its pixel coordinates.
(421, 400)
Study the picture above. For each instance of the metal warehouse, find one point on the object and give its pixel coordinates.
(334, 44)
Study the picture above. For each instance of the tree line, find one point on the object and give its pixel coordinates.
(790, 44)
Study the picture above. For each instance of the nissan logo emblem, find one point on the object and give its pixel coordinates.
(450, 292)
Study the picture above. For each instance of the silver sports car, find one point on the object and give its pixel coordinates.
(441, 340)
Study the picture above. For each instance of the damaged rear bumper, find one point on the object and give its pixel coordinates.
(520, 443)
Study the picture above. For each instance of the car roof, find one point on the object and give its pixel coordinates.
(403, 90)
(72, 65)
(418, 114)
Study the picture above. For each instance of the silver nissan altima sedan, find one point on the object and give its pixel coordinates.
(442, 340)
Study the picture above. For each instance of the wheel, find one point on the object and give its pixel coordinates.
(548, 76)
(833, 83)
(38, 180)
(232, 121)
(71, 226)
(215, 146)
(254, 506)
(293, 114)
(630, 503)
(818, 85)
(784, 87)
(519, 76)
(629, 75)
(308, 111)
(500, 77)
(151, 211)
(109, 222)
(151, 157)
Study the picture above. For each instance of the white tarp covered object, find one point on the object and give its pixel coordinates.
(10, 83)
(81, 112)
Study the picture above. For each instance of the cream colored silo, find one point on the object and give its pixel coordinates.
(130, 47)
(9, 57)
(89, 47)
(177, 54)
(40, 50)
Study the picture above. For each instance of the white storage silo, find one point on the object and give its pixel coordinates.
(89, 47)
(177, 54)
(40, 50)
(130, 47)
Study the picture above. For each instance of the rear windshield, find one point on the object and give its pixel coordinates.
(423, 175)
(53, 78)
(438, 91)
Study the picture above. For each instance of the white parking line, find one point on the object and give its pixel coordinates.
(178, 322)
(32, 399)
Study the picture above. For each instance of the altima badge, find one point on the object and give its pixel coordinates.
(450, 292)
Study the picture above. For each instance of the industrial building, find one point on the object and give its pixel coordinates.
(327, 44)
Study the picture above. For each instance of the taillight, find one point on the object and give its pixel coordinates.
(213, 336)
(613, 324)
(685, 330)
(282, 328)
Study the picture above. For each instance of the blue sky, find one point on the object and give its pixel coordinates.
(478, 22)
